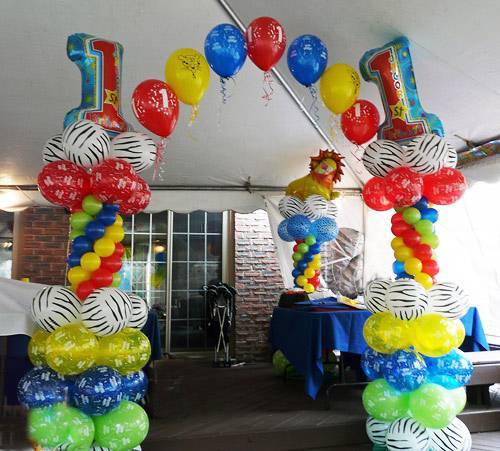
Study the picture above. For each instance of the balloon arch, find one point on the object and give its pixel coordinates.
(87, 385)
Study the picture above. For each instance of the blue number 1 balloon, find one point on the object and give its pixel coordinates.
(100, 64)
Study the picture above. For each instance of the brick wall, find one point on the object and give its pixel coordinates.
(41, 237)
(259, 284)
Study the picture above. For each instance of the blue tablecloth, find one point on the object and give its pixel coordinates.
(303, 335)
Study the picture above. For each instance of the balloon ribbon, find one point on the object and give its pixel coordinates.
(194, 114)
(160, 157)
(267, 87)
(314, 108)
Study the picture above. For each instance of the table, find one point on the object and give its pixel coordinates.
(303, 335)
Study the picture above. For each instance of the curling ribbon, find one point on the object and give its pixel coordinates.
(267, 87)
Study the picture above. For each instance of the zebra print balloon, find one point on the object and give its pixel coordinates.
(138, 149)
(55, 306)
(375, 295)
(407, 434)
(454, 437)
(448, 299)
(290, 206)
(377, 430)
(381, 156)
(452, 158)
(427, 154)
(86, 143)
(139, 314)
(106, 311)
(53, 150)
(407, 299)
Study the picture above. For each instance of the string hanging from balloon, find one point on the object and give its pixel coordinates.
(314, 107)
(195, 109)
(267, 88)
(158, 167)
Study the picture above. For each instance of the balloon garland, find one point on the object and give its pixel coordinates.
(418, 374)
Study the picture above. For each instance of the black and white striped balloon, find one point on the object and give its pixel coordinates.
(138, 149)
(407, 299)
(407, 434)
(290, 206)
(375, 293)
(53, 150)
(139, 314)
(106, 311)
(381, 156)
(377, 430)
(454, 437)
(86, 143)
(449, 299)
(55, 306)
(452, 158)
(427, 154)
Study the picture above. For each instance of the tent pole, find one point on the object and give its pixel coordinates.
(232, 14)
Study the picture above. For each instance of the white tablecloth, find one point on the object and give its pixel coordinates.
(15, 306)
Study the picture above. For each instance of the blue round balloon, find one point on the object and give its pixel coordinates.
(422, 204)
(106, 217)
(225, 50)
(325, 229)
(98, 390)
(95, 230)
(296, 273)
(41, 387)
(372, 363)
(398, 267)
(302, 264)
(81, 244)
(405, 370)
(134, 386)
(283, 231)
(111, 207)
(452, 370)
(73, 260)
(403, 275)
(431, 214)
(298, 226)
(307, 59)
(308, 257)
(315, 248)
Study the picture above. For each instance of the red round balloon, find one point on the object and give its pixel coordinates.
(360, 122)
(400, 228)
(113, 263)
(411, 237)
(430, 267)
(84, 289)
(422, 252)
(397, 217)
(155, 105)
(63, 183)
(102, 278)
(444, 187)
(374, 195)
(266, 42)
(403, 186)
(113, 181)
(137, 202)
(119, 250)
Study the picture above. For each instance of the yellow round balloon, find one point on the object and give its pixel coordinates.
(118, 221)
(187, 72)
(397, 242)
(434, 335)
(127, 351)
(315, 264)
(425, 280)
(385, 333)
(309, 272)
(90, 261)
(339, 87)
(115, 233)
(77, 274)
(457, 330)
(71, 349)
(301, 281)
(37, 347)
(403, 253)
(309, 288)
(413, 266)
(104, 247)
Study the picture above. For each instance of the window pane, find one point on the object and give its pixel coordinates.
(214, 273)
(179, 304)
(141, 223)
(180, 222)
(214, 222)
(160, 221)
(158, 277)
(141, 248)
(197, 334)
(196, 276)
(159, 250)
(214, 247)
(197, 222)
(127, 224)
(179, 276)
(196, 305)
(179, 247)
(196, 248)
(179, 334)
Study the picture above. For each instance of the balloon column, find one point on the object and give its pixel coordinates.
(418, 374)
(310, 217)
(89, 351)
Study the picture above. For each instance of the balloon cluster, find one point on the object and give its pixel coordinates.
(88, 358)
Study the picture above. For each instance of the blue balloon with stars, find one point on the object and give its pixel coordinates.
(451, 371)
(405, 370)
(298, 226)
(324, 229)
(41, 387)
(372, 364)
(134, 386)
(283, 231)
(307, 59)
(98, 390)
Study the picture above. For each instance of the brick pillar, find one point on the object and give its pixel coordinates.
(40, 241)
(259, 284)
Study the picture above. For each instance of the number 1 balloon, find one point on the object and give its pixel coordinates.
(266, 42)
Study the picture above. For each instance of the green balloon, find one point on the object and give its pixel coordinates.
(117, 280)
(80, 430)
(76, 233)
(383, 402)
(45, 426)
(310, 240)
(123, 428)
(280, 363)
(424, 227)
(433, 406)
(411, 215)
(459, 397)
(303, 248)
(91, 205)
(431, 239)
(79, 220)
(297, 256)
